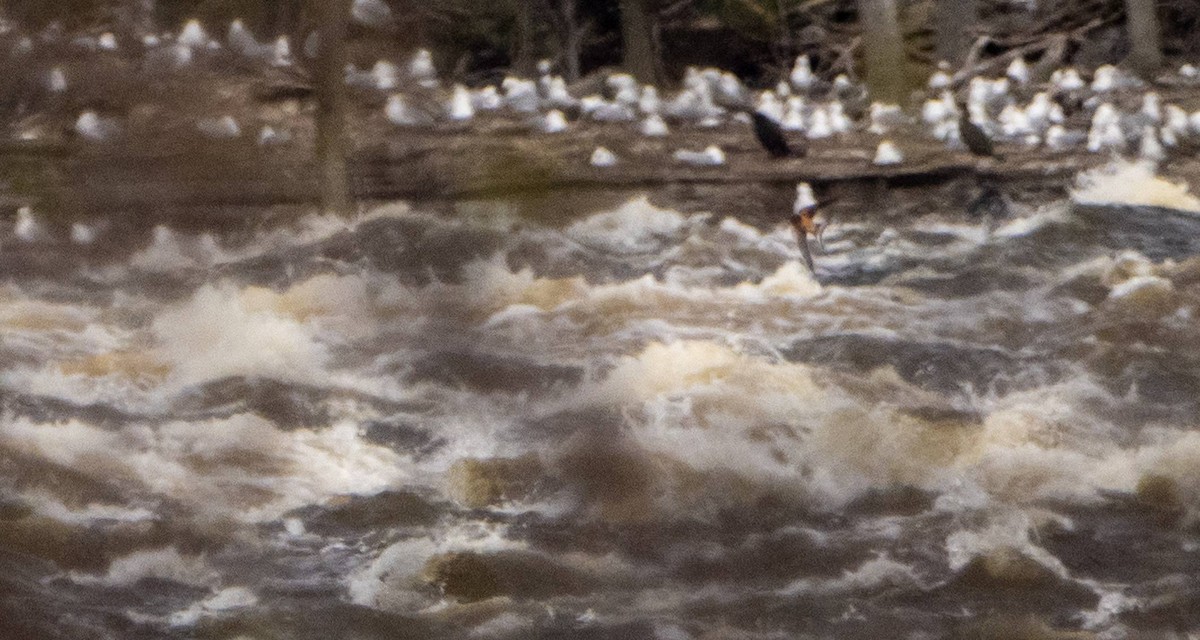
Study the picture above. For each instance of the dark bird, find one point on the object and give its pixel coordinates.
(973, 136)
(770, 136)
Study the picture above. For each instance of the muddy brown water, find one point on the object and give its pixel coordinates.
(624, 418)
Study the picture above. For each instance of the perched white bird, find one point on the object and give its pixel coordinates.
(941, 78)
(602, 157)
(819, 124)
(1151, 107)
(460, 108)
(801, 76)
(887, 154)
(625, 89)
(281, 52)
(385, 75)
(793, 117)
(82, 233)
(372, 13)
(27, 227)
(649, 102)
(838, 120)
(1056, 137)
(1014, 122)
(267, 136)
(93, 127)
(884, 117)
(421, 68)
(1018, 71)
(520, 95)
(193, 35)
(1105, 132)
(400, 113)
(770, 106)
(487, 99)
(223, 127)
(57, 80)
(1067, 79)
(1176, 120)
(1189, 71)
(1150, 148)
(693, 104)
(553, 122)
(712, 156)
(654, 126)
(557, 95)
(939, 110)
(605, 111)
(107, 41)
(1042, 111)
(241, 41)
(1104, 79)
(729, 89)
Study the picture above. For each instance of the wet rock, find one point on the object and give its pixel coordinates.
(1018, 628)
(520, 575)
(402, 436)
(1007, 567)
(490, 373)
(465, 576)
(1160, 494)
(365, 513)
(481, 482)
(11, 509)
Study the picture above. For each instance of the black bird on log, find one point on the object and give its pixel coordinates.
(973, 136)
(770, 136)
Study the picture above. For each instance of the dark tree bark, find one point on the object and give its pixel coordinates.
(883, 46)
(523, 55)
(954, 26)
(637, 32)
(1145, 36)
(332, 145)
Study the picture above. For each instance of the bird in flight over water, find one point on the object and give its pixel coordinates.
(807, 221)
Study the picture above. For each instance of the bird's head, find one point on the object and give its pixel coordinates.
(809, 221)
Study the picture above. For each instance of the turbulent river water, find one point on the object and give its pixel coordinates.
(636, 422)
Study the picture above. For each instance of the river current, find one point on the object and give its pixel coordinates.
(637, 421)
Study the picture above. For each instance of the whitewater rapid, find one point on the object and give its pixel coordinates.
(631, 422)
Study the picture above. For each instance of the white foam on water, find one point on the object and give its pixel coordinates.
(1006, 532)
(242, 467)
(390, 580)
(228, 599)
(877, 572)
(162, 564)
(1128, 183)
(635, 227)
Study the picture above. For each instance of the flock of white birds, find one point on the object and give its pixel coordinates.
(1010, 108)
(1112, 112)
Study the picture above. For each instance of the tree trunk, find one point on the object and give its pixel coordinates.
(333, 17)
(572, 40)
(1144, 36)
(883, 47)
(641, 58)
(954, 26)
(523, 54)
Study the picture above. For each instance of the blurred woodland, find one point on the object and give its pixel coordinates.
(477, 41)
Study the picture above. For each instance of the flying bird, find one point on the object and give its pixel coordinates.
(807, 221)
